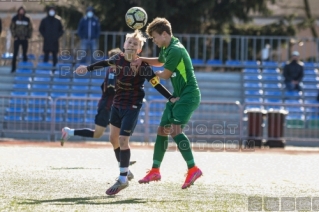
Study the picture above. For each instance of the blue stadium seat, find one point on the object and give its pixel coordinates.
(272, 100)
(74, 119)
(38, 102)
(294, 109)
(233, 63)
(293, 101)
(272, 78)
(17, 101)
(214, 63)
(43, 65)
(253, 100)
(277, 94)
(35, 110)
(42, 72)
(95, 95)
(19, 93)
(41, 57)
(271, 86)
(77, 103)
(21, 86)
(27, 64)
(57, 119)
(155, 97)
(309, 64)
(96, 81)
(251, 85)
(60, 88)
(155, 68)
(14, 110)
(271, 64)
(7, 56)
(61, 80)
(310, 87)
(292, 94)
(83, 88)
(65, 58)
(24, 71)
(251, 63)
(76, 111)
(81, 95)
(20, 79)
(272, 71)
(64, 70)
(310, 94)
(95, 88)
(311, 101)
(13, 118)
(41, 79)
(310, 79)
(58, 94)
(310, 72)
(198, 62)
(252, 78)
(40, 94)
(43, 87)
(81, 80)
(33, 118)
(253, 92)
(251, 71)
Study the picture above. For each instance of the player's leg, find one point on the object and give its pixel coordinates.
(160, 146)
(127, 127)
(101, 122)
(181, 114)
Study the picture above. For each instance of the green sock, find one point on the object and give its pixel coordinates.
(160, 147)
(184, 147)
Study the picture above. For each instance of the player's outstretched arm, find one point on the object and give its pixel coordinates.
(155, 82)
(153, 61)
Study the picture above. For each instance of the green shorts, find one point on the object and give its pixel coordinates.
(180, 112)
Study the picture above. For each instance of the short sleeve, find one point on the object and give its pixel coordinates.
(173, 58)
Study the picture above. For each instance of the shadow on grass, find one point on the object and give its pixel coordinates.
(83, 200)
(66, 168)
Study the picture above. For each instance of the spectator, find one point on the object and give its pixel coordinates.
(51, 29)
(89, 32)
(293, 73)
(21, 30)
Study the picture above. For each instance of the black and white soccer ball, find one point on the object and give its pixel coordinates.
(136, 18)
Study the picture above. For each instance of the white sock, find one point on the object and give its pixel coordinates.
(122, 179)
(120, 169)
(71, 132)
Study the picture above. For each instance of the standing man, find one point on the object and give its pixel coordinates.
(51, 29)
(21, 30)
(293, 73)
(89, 33)
(177, 67)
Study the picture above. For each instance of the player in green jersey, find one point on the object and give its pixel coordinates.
(178, 67)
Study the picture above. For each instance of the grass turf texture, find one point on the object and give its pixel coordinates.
(35, 178)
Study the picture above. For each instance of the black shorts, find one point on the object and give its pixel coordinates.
(102, 118)
(125, 119)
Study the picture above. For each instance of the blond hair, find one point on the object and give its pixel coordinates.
(159, 25)
(138, 35)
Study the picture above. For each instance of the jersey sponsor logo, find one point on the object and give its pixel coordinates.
(127, 131)
(177, 120)
(173, 75)
(154, 81)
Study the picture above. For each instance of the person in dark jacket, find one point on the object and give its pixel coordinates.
(51, 29)
(293, 73)
(89, 32)
(21, 30)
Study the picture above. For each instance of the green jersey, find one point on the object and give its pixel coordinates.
(176, 59)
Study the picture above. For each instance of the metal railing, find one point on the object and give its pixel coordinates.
(204, 47)
(211, 122)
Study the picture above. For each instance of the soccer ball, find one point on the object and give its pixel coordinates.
(136, 18)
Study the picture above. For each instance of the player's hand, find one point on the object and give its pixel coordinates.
(173, 100)
(81, 70)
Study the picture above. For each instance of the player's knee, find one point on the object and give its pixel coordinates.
(98, 134)
(163, 131)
